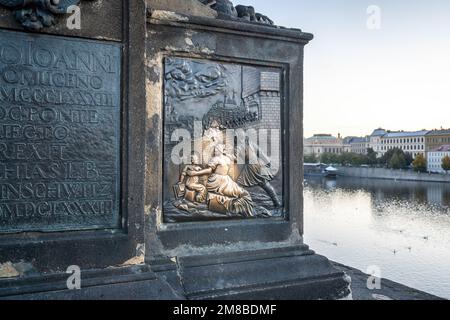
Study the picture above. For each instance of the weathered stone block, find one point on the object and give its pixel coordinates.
(189, 7)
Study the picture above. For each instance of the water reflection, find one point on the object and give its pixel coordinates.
(387, 190)
(402, 227)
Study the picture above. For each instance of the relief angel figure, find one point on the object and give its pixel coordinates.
(257, 170)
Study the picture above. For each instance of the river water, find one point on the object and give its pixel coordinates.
(398, 228)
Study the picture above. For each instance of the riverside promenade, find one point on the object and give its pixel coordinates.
(382, 173)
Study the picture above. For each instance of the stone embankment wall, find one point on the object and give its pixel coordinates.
(381, 173)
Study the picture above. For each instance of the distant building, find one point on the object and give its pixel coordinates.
(437, 138)
(381, 141)
(323, 143)
(375, 140)
(346, 146)
(409, 142)
(434, 158)
(359, 145)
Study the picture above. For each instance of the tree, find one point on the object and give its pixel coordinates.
(371, 156)
(393, 161)
(386, 158)
(420, 163)
(359, 159)
(347, 158)
(408, 158)
(446, 163)
(310, 158)
(397, 161)
(329, 158)
(402, 159)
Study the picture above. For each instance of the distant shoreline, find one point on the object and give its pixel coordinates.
(390, 174)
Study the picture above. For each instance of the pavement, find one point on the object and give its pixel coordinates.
(389, 290)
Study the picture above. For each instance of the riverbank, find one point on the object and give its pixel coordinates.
(389, 290)
(382, 173)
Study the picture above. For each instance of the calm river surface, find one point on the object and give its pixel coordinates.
(403, 228)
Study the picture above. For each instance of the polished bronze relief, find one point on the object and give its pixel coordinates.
(222, 141)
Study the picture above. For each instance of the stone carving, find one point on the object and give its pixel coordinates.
(223, 6)
(222, 180)
(227, 8)
(248, 13)
(37, 14)
(229, 114)
(183, 84)
(192, 181)
(259, 173)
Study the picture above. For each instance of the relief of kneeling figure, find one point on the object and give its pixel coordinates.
(224, 194)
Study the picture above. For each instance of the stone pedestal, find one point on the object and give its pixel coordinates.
(212, 258)
(86, 182)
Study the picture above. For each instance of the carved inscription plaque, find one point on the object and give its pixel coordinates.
(59, 133)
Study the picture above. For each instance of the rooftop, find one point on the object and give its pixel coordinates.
(358, 140)
(348, 139)
(322, 136)
(402, 134)
(378, 132)
(439, 132)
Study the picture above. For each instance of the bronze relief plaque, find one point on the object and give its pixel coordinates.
(222, 141)
(59, 133)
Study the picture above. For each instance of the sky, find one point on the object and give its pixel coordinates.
(357, 78)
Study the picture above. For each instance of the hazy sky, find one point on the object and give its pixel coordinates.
(357, 79)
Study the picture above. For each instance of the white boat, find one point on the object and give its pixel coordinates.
(331, 171)
(319, 170)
